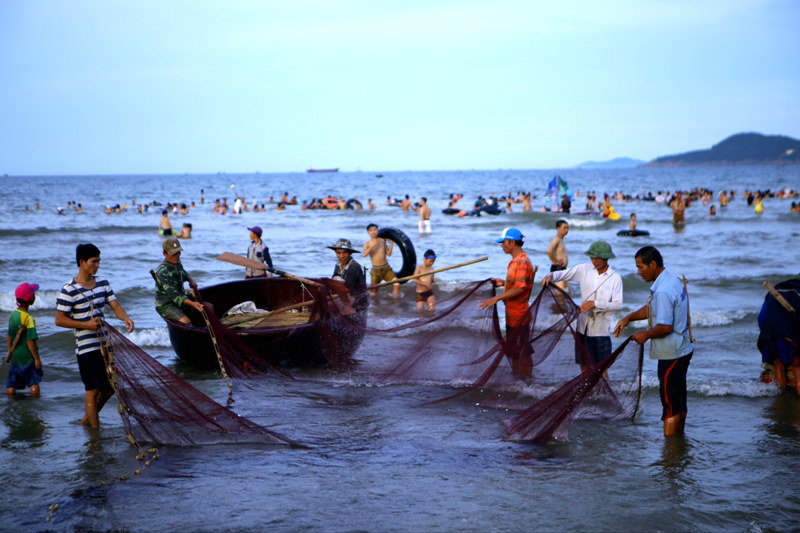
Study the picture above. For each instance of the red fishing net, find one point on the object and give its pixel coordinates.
(159, 407)
(470, 349)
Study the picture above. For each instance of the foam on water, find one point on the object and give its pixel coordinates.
(747, 388)
(45, 299)
(149, 336)
(714, 318)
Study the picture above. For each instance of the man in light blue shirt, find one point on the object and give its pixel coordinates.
(667, 314)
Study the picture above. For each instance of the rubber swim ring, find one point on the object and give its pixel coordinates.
(450, 211)
(402, 241)
(614, 216)
(633, 233)
(352, 203)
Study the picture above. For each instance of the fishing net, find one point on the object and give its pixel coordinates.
(159, 407)
(471, 349)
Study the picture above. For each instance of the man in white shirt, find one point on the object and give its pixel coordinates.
(601, 295)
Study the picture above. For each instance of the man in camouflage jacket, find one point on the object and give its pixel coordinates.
(170, 277)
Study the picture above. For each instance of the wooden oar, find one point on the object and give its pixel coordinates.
(252, 264)
(415, 276)
(688, 312)
(779, 297)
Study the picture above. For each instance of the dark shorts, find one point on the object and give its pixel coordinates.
(672, 385)
(423, 296)
(598, 348)
(520, 351)
(22, 377)
(556, 268)
(93, 371)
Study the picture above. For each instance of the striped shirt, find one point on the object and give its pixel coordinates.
(74, 302)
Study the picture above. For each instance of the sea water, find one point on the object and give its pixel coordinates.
(377, 461)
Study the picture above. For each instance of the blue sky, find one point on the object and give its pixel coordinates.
(241, 86)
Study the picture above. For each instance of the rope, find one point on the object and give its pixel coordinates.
(107, 352)
(217, 351)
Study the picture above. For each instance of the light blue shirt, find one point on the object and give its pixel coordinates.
(669, 304)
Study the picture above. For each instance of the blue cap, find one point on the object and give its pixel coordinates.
(510, 234)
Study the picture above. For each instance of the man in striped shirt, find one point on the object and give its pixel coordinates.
(80, 307)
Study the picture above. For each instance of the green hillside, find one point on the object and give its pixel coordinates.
(739, 149)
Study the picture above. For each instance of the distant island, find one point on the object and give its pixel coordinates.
(617, 162)
(739, 149)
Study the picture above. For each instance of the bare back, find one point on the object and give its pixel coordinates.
(425, 212)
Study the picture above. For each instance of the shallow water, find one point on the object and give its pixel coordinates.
(378, 462)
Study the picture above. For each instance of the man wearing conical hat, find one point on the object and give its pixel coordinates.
(348, 269)
(601, 297)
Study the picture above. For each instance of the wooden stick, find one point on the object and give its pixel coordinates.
(415, 276)
(257, 265)
(779, 297)
(688, 312)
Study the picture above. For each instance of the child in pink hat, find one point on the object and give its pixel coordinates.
(23, 354)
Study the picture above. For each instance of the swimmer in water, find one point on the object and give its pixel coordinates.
(678, 207)
(165, 226)
(378, 250)
(424, 284)
(557, 252)
(632, 223)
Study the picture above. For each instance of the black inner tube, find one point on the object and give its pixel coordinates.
(633, 233)
(401, 241)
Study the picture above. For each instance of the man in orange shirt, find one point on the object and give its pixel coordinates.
(516, 293)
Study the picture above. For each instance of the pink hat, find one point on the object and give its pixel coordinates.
(26, 291)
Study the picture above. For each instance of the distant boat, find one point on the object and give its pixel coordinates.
(312, 169)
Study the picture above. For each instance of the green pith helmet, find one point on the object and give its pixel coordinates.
(600, 249)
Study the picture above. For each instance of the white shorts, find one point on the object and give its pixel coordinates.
(424, 226)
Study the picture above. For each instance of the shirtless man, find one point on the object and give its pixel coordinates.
(405, 204)
(378, 250)
(526, 202)
(678, 207)
(424, 289)
(557, 251)
(424, 216)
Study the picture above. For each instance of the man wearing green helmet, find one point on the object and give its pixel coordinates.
(601, 296)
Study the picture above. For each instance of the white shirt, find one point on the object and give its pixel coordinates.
(606, 291)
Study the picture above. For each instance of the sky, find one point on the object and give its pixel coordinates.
(169, 86)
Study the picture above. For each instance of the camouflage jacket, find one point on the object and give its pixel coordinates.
(169, 287)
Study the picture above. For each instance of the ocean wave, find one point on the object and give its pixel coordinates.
(710, 319)
(46, 299)
(96, 228)
(149, 336)
(748, 388)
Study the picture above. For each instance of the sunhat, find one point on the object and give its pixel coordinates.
(600, 249)
(343, 244)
